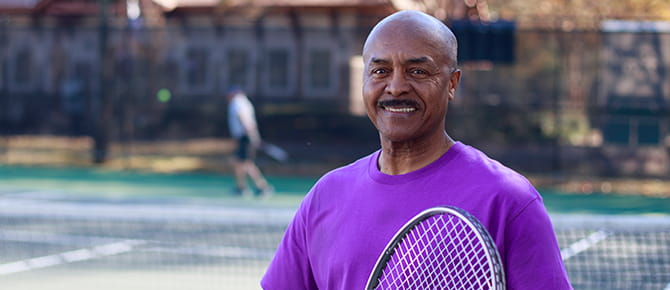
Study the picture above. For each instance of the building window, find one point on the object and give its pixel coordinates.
(170, 73)
(83, 71)
(196, 73)
(22, 67)
(278, 68)
(617, 132)
(319, 70)
(3, 73)
(632, 131)
(238, 67)
(648, 132)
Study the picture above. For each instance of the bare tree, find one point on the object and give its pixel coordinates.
(449, 9)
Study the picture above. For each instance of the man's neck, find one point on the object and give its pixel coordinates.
(404, 157)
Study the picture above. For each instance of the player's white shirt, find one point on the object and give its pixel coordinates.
(240, 110)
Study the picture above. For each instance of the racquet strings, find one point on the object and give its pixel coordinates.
(441, 252)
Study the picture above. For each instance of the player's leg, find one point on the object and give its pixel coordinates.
(262, 185)
(259, 180)
(239, 166)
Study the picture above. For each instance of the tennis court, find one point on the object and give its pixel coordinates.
(57, 242)
(85, 229)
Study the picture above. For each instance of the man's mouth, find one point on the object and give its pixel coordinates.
(400, 110)
(399, 106)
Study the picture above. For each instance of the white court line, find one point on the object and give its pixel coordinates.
(69, 257)
(224, 252)
(583, 244)
(54, 238)
(32, 194)
(158, 212)
(69, 239)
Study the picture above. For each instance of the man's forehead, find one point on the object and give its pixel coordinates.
(393, 34)
(409, 49)
(415, 43)
(409, 60)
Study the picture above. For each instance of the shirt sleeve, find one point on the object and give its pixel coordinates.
(290, 267)
(532, 255)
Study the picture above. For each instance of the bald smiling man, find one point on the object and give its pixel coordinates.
(351, 213)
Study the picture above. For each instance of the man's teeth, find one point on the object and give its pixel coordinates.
(400, 110)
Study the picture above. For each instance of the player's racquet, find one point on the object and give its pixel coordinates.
(274, 151)
(440, 248)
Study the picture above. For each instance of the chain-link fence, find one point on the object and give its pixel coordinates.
(586, 102)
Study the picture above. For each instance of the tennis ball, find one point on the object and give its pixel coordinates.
(164, 95)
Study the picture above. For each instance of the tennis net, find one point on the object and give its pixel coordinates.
(615, 252)
(59, 243)
(94, 243)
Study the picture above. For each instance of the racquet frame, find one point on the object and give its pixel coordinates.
(493, 257)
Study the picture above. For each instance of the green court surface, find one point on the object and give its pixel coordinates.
(289, 190)
(90, 182)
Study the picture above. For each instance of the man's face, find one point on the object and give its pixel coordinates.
(407, 84)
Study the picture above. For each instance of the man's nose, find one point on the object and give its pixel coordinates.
(397, 84)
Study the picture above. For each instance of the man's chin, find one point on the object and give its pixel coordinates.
(398, 136)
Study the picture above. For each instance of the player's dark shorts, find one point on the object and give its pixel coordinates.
(244, 149)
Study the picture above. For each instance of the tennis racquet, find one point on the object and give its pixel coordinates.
(274, 151)
(440, 248)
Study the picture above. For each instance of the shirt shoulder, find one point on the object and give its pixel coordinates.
(488, 181)
(491, 171)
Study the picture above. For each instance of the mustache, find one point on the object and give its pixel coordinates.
(398, 103)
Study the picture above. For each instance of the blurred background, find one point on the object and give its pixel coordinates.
(557, 88)
(117, 103)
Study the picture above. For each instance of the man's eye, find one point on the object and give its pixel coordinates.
(378, 71)
(419, 73)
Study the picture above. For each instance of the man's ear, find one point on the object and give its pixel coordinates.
(454, 80)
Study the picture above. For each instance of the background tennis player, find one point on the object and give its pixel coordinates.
(243, 127)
